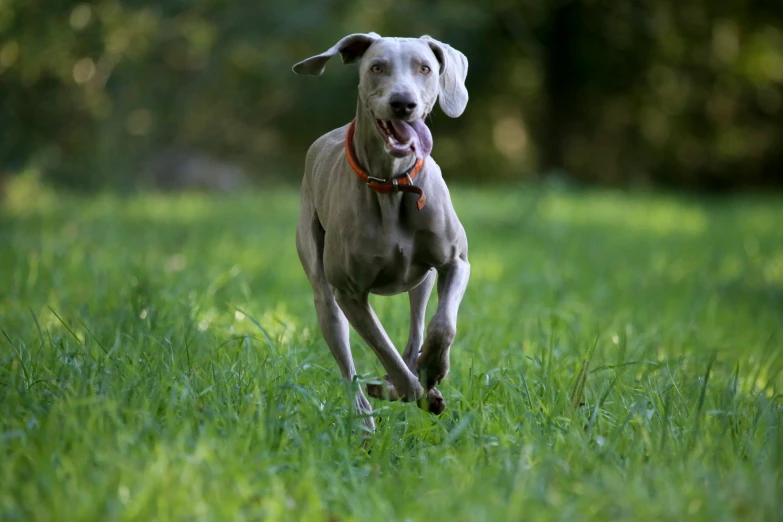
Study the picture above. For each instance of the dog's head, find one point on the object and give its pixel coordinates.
(400, 79)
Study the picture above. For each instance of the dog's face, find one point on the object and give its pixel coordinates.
(399, 81)
(399, 85)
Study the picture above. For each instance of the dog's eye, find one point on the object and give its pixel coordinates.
(425, 69)
(377, 69)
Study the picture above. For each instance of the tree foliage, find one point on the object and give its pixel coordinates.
(686, 93)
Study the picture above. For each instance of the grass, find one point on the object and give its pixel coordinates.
(618, 358)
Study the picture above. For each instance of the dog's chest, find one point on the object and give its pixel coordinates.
(398, 270)
(376, 264)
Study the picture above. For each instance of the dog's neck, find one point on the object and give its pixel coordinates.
(370, 149)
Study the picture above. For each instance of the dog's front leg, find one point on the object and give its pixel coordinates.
(433, 363)
(402, 383)
(406, 385)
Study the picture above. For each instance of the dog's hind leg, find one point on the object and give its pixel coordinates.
(331, 319)
(419, 297)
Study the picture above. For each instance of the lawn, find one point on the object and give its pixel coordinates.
(160, 360)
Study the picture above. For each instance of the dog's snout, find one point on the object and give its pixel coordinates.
(402, 105)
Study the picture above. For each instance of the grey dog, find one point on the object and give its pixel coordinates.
(362, 231)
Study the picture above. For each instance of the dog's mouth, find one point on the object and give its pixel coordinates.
(404, 138)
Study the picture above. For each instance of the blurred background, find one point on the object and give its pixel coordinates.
(121, 95)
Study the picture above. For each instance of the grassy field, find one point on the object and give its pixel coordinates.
(160, 360)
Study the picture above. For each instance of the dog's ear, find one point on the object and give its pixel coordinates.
(351, 48)
(453, 97)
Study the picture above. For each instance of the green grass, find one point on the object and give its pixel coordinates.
(132, 387)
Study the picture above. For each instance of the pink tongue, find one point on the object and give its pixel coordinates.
(422, 137)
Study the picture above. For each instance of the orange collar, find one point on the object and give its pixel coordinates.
(401, 183)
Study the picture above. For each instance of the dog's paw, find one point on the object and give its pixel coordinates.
(383, 391)
(432, 370)
(433, 402)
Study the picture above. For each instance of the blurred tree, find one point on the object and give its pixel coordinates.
(686, 93)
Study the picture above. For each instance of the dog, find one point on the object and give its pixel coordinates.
(376, 215)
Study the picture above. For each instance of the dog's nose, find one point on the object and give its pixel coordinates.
(402, 105)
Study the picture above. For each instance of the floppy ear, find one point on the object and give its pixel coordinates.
(351, 48)
(453, 97)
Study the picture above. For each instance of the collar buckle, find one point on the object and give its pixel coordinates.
(381, 184)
